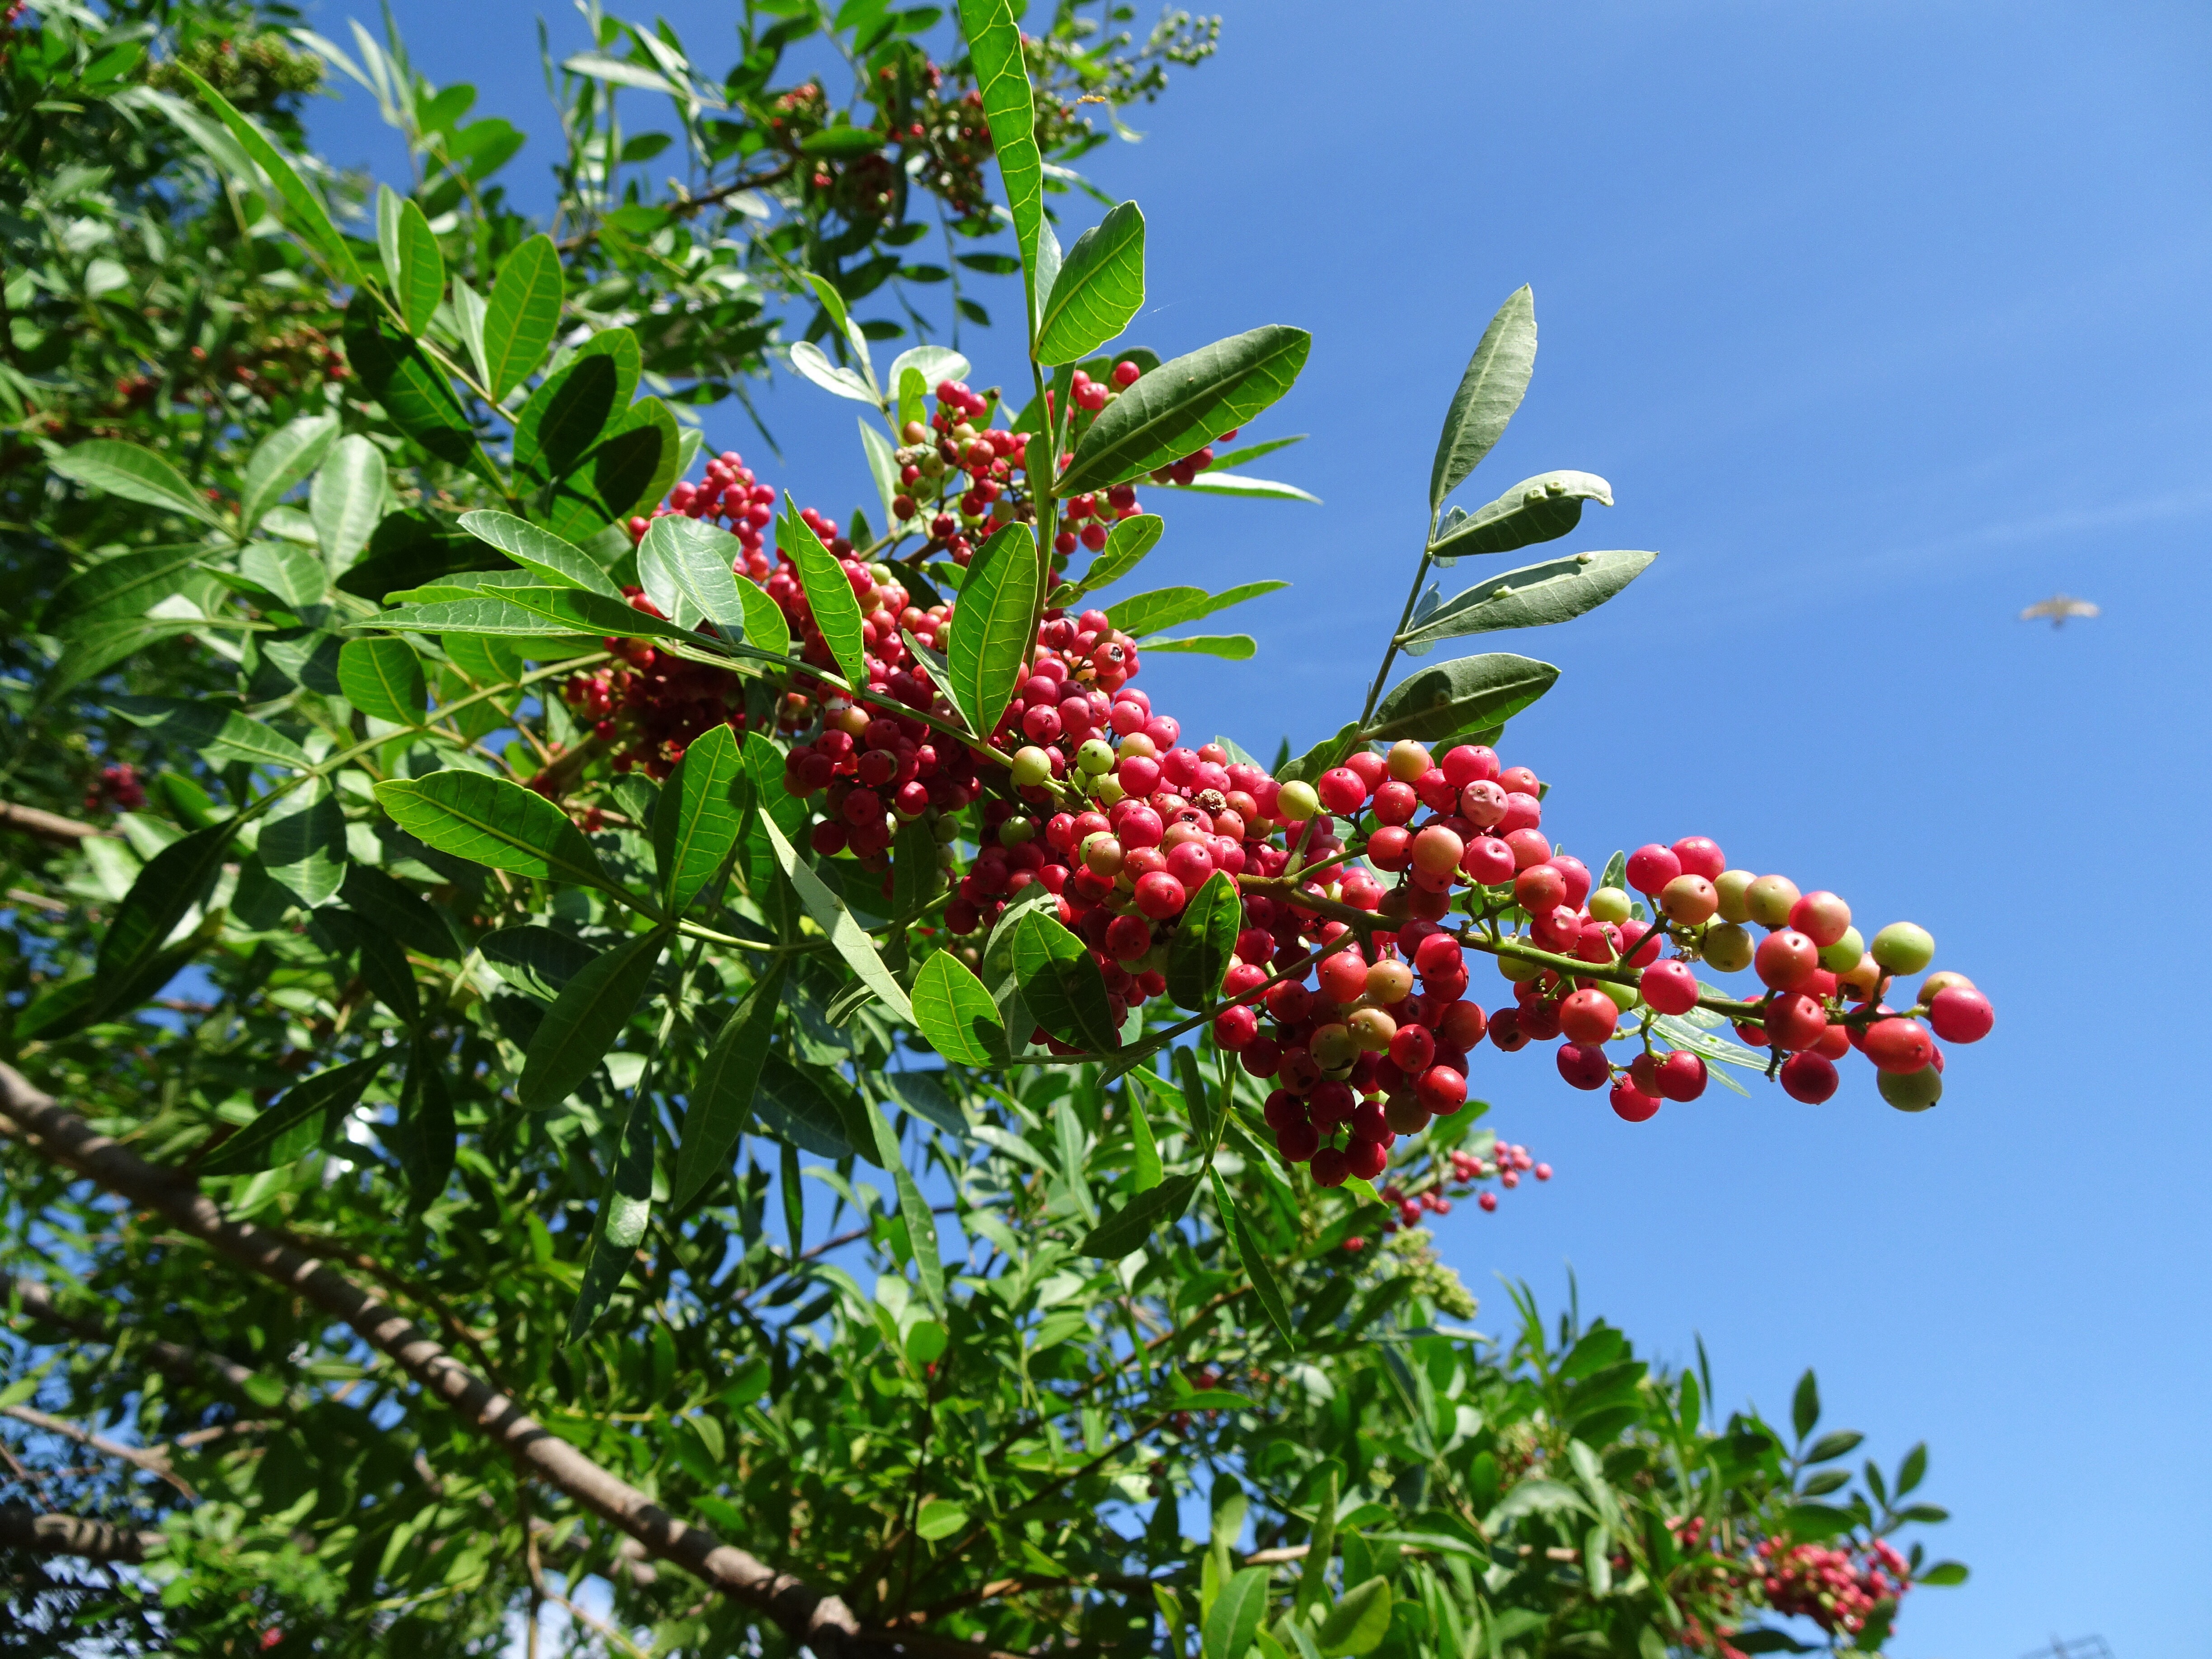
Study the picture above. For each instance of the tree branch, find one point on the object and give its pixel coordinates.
(823, 1623)
(47, 826)
(150, 1461)
(22, 1527)
(172, 1360)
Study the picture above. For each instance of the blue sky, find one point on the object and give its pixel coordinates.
(1884, 321)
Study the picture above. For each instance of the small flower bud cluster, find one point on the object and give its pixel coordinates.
(117, 786)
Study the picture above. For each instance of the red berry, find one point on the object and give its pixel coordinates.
(1341, 791)
(1412, 1049)
(1808, 1078)
(1631, 1105)
(1681, 1077)
(1670, 987)
(1794, 1021)
(1441, 1090)
(1160, 896)
(1582, 1066)
(1960, 1014)
(1506, 1032)
(1651, 867)
(1299, 1140)
(1366, 1158)
(1898, 1045)
(1822, 917)
(1460, 1025)
(1785, 960)
(1587, 1016)
(1699, 856)
(1488, 860)
(1540, 887)
(1329, 1167)
(1488, 1201)
(1235, 1027)
(1343, 977)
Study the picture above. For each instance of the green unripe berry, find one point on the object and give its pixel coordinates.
(1727, 948)
(1014, 831)
(1903, 948)
(1297, 802)
(1911, 1091)
(1334, 1048)
(945, 829)
(1096, 755)
(1610, 904)
(1843, 955)
(1623, 997)
(1520, 972)
(1109, 789)
(1771, 898)
(1734, 888)
(1031, 767)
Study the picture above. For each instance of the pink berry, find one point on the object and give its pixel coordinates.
(1582, 1066)
(1651, 867)
(1671, 986)
(1587, 1016)
(1699, 855)
(1960, 1014)
(1807, 1077)
(1785, 960)
(1631, 1105)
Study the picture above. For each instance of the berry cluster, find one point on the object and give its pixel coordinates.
(731, 498)
(649, 706)
(967, 476)
(1838, 1588)
(118, 786)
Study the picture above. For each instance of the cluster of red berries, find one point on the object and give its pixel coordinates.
(1506, 1164)
(728, 496)
(649, 706)
(117, 786)
(1837, 1589)
(969, 476)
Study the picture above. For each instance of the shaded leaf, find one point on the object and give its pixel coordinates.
(382, 677)
(490, 821)
(1459, 695)
(573, 405)
(587, 1019)
(794, 1109)
(1534, 596)
(1204, 941)
(1099, 287)
(988, 656)
(914, 1209)
(1538, 509)
(294, 1122)
(122, 469)
(847, 937)
(720, 1102)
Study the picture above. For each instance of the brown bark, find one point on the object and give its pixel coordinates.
(47, 826)
(822, 1622)
(24, 1528)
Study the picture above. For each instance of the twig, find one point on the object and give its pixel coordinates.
(153, 1462)
(47, 826)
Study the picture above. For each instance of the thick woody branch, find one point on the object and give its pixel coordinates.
(154, 1462)
(47, 826)
(821, 1622)
(24, 1528)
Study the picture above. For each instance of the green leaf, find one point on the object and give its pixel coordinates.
(1942, 1575)
(1329, 751)
(1538, 509)
(487, 616)
(1815, 1522)
(1805, 1405)
(1127, 543)
(625, 1207)
(701, 811)
(539, 962)
(1912, 1470)
(522, 315)
(938, 1518)
(1061, 984)
(393, 369)
(174, 880)
(423, 1138)
(587, 1019)
(1235, 1617)
(1181, 405)
(1229, 647)
(957, 1014)
(1215, 482)
(287, 571)
(1491, 390)
(1358, 1622)
(1456, 696)
(396, 910)
(993, 28)
(847, 937)
(222, 735)
(575, 404)
(1171, 607)
(123, 587)
(684, 567)
(829, 595)
(540, 551)
(811, 360)
(1126, 1228)
(720, 1102)
(303, 211)
(1837, 1444)
(794, 1107)
(101, 645)
(490, 821)
(988, 655)
(280, 461)
(914, 1209)
(833, 303)
(1321, 1545)
(309, 1107)
(413, 267)
(1253, 1256)
(137, 475)
(1100, 287)
(1204, 941)
(347, 500)
(1534, 596)
(383, 677)
(303, 847)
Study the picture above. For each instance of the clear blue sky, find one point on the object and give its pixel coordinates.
(1884, 321)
